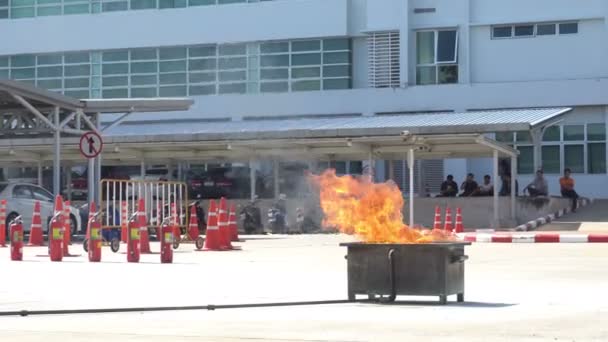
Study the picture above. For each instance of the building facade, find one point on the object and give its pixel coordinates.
(256, 59)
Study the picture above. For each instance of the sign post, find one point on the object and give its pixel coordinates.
(91, 145)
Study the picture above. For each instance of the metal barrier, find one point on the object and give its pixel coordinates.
(158, 196)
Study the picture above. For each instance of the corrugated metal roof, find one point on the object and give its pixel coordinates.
(428, 123)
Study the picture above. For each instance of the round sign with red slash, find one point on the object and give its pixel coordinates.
(91, 144)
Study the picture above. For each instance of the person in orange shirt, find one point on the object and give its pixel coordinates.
(566, 185)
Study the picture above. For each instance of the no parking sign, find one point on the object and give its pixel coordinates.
(91, 144)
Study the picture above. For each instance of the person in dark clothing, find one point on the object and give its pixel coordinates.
(469, 186)
(566, 185)
(449, 188)
(252, 217)
(505, 189)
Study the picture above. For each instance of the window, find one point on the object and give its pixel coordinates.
(568, 28)
(533, 30)
(596, 148)
(552, 133)
(22, 191)
(437, 57)
(551, 162)
(502, 32)
(545, 29)
(524, 31)
(525, 161)
(41, 194)
(574, 158)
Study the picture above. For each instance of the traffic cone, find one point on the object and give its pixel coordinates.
(3, 223)
(459, 228)
(223, 224)
(124, 220)
(448, 220)
(66, 228)
(193, 224)
(92, 212)
(212, 238)
(144, 238)
(437, 222)
(36, 227)
(234, 230)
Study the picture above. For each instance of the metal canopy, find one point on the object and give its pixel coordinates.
(136, 105)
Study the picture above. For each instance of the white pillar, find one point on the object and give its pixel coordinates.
(370, 160)
(410, 162)
(537, 136)
(513, 187)
(142, 169)
(39, 173)
(68, 181)
(57, 155)
(180, 172)
(91, 181)
(495, 176)
(97, 178)
(275, 177)
(251, 179)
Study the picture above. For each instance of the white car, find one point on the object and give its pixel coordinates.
(20, 200)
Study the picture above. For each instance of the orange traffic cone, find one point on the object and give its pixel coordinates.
(193, 224)
(144, 238)
(232, 224)
(36, 227)
(212, 239)
(3, 223)
(448, 220)
(67, 236)
(92, 212)
(223, 224)
(124, 220)
(459, 228)
(437, 222)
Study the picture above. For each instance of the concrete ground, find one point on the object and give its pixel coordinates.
(527, 292)
(590, 219)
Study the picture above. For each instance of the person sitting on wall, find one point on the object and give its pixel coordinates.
(469, 186)
(539, 186)
(449, 188)
(505, 190)
(485, 189)
(566, 185)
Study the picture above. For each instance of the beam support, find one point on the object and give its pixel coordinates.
(35, 111)
(495, 220)
(410, 164)
(252, 179)
(56, 155)
(513, 187)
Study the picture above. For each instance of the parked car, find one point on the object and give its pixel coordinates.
(20, 201)
(232, 182)
(79, 188)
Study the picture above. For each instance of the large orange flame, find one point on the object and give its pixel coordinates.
(371, 211)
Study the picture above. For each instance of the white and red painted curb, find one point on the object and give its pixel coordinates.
(548, 218)
(534, 238)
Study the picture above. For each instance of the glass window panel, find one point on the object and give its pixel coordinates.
(22, 12)
(306, 59)
(232, 49)
(305, 85)
(525, 161)
(551, 162)
(274, 47)
(3, 13)
(50, 59)
(16, 3)
(502, 32)
(274, 87)
(574, 158)
(232, 63)
(78, 94)
(202, 90)
(143, 92)
(114, 81)
(336, 71)
(142, 4)
(143, 54)
(172, 66)
(355, 168)
(76, 57)
(596, 131)
(425, 47)
(277, 60)
(274, 74)
(568, 28)
(43, 2)
(426, 75)
(545, 29)
(448, 74)
(306, 72)
(23, 60)
(234, 88)
(178, 78)
(96, 69)
(48, 10)
(336, 58)
(337, 83)
(446, 46)
(202, 51)
(596, 158)
(201, 2)
(523, 136)
(253, 75)
(202, 64)
(4, 74)
(506, 137)
(233, 76)
(54, 71)
(115, 93)
(115, 56)
(23, 73)
(77, 70)
(77, 82)
(50, 84)
(173, 53)
(524, 30)
(116, 68)
(173, 91)
(552, 133)
(253, 62)
(306, 45)
(3, 61)
(76, 9)
(96, 8)
(172, 3)
(3, 3)
(336, 44)
(144, 80)
(574, 132)
(114, 6)
(96, 82)
(144, 67)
